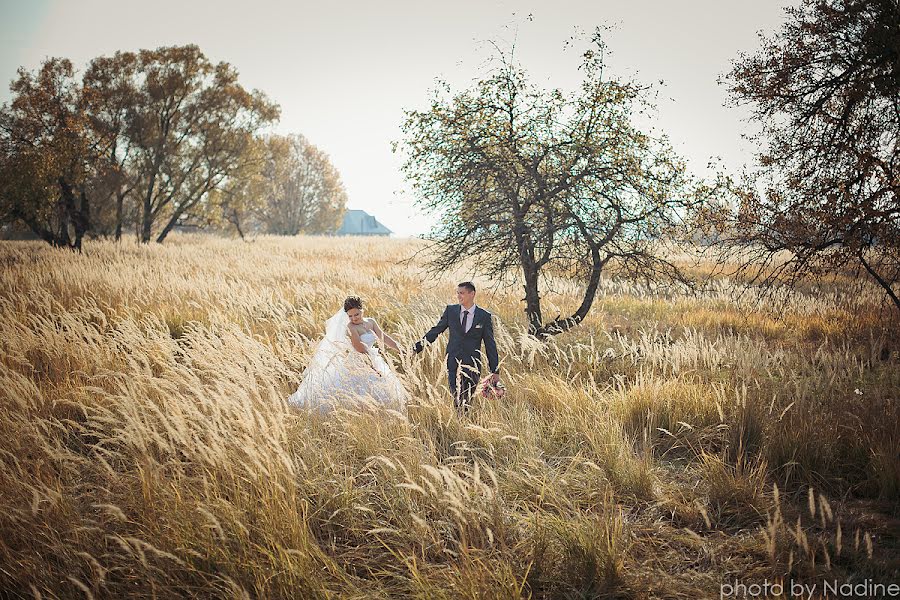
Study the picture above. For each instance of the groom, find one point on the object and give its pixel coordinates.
(469, 326)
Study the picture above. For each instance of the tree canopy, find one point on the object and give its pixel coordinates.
(192, 126)
(155, 138)
(48, 152)
(304, 190)
(826, 91)
(288, 187)
(532, 182)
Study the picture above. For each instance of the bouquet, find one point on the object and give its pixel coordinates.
(487, 388)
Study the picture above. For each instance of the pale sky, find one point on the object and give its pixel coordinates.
(344, 72)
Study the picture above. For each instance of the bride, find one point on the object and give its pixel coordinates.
(347, 368)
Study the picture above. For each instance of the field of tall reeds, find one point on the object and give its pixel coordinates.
(667, 446)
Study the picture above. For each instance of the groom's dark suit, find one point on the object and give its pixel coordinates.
(464, 356)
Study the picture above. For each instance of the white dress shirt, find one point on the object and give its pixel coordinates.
(467, 325)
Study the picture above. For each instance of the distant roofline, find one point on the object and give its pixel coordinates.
(360, 226)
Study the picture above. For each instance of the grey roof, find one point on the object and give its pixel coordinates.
(359, 222)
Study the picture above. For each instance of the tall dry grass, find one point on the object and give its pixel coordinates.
(669, 444)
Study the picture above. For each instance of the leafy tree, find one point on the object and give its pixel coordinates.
(243, 196)
(191, 128)
(163, 127)
(111, 94)
(47, 154)
(826, 91)
(532, 182)
(304, 190)
(286, 186)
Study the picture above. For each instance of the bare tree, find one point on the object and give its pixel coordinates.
(826, 91)
(532, 182)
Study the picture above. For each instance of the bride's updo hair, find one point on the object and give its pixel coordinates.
(352, 302)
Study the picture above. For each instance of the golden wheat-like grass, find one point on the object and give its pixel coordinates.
(668, 444)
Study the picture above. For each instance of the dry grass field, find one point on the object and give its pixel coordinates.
(667, 446)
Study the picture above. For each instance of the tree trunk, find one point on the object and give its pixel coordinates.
(236, 221)
(79, 217)
(169, 226)
(146, 222)
(81, 220)
(120, 209)
(560, 325)
(61, 235)
(532, 298)
(530, 270)
(881, 281)
(68, 213)
(40, 231)
(147, 216)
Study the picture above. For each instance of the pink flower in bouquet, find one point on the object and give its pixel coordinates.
(488, 389)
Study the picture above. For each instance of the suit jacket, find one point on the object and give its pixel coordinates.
(466, 345)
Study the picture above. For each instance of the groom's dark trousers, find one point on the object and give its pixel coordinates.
(464, 356)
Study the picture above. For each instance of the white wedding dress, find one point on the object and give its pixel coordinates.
(340, 376)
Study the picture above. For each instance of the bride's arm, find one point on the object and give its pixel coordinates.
(385, 338)
(354, 339)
